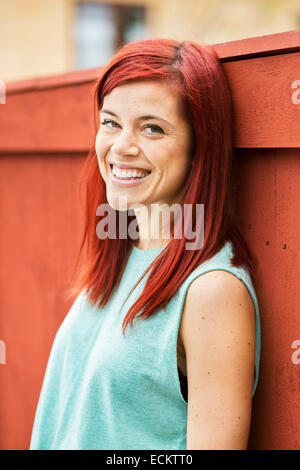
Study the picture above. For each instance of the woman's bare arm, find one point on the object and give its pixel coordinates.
(218, 333)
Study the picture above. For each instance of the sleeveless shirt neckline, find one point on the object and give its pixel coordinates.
(146, 253)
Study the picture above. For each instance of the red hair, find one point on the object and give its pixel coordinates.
(206, 99)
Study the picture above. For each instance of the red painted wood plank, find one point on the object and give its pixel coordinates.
(270, 44)
(266, 98)
(53, 81)
(267, 204)
(41, 223)
(58, 119)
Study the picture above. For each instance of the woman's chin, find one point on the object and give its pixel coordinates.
(119, 202)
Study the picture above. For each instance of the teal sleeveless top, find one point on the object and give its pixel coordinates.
(103, 390)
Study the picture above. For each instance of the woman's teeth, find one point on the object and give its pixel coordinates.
(128, 173)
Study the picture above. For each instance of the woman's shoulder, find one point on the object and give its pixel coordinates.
(217, 289)
(218, 268)
(218, 280)
(219, 313)
(224, 292)
(221, 307)
(218, 306)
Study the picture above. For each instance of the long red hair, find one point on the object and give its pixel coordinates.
(206, 98)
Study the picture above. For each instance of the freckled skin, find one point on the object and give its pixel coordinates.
(220, 362)
(129, 140)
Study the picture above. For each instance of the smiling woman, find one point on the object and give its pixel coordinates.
(161, 347)
(149, 134)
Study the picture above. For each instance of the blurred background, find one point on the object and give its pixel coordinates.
(45, 37)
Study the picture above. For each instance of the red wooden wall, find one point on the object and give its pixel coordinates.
(46, 129)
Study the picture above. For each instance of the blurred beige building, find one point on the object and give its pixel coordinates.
(46, 37)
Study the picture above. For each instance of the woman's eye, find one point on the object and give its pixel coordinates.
(150, 128)
(109, 123)
(154, 129)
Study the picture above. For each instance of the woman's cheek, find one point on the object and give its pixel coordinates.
(101, 163)
(103, 170)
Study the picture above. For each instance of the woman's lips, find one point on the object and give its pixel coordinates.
(122, 166)
(127, 182)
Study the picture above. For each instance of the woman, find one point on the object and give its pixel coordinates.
(154, 311)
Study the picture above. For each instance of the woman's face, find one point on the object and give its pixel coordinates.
(142, 127)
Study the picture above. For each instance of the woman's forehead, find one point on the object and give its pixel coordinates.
(144, 96)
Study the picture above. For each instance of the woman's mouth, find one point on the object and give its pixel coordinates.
(128, 177)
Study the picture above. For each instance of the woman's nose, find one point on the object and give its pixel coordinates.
(125, 145)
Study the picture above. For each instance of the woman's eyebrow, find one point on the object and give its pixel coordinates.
(108, 112)
(141, 118)
(145, 118)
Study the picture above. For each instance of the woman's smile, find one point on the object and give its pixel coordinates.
(129, 177)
